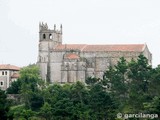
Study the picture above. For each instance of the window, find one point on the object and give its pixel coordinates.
(5, 72)
(50, 36)
(44, 36)
(1, 83)
(2, 72)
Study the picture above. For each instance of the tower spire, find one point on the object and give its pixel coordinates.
(40, 26)
(54, 27)
(61, 28)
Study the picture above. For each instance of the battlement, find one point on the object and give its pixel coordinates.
(44, 27)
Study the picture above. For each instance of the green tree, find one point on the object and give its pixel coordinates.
(80, 98)
(101, 104)
(79, 94)
(115, 78)
(139, 75)
(46, 111)
(91, 81)
(4, 105)
(20, 113)
(129, 83)
(15, 87)
(154, 88)
(30, 87)
(153, 106)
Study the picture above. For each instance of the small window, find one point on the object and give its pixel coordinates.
(1, 83)
(2, 72)
(44, 36)
(5, 72)
(50, 36)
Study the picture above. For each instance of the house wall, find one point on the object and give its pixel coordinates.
(5, 78)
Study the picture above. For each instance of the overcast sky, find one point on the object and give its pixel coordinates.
(84, 21)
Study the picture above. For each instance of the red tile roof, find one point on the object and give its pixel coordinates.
(15, 75)
(114, 47)
(72, 56)
(9, 67)
(70, 46)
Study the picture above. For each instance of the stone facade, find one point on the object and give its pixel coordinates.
(75, 62)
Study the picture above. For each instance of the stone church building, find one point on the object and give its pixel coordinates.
(63, 63)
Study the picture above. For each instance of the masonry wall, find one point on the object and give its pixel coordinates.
(98, 62)
(43, 68)
(55, 66)
(90, 64)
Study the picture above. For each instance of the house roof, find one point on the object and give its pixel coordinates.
(9, 67)
(93, 48)
(72, 56)
(15, 75)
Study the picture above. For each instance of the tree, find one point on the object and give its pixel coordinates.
(129, 83)
(80, 97)
(91, 81)
(116, 80)
(139, 75)
(36, 101)
(153, 106)
(154, 82)
(15, 87)
(4, 105)
(101, 104)
(79, 94)
(46, 111)
(30, 87)
(63, 109)
(20, 113)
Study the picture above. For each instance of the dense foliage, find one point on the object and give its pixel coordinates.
(4, 105)
(128, 87)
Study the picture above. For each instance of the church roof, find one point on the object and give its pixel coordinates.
(94, 48)
(9, 67)
(72, 56)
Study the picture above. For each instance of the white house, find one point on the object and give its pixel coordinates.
(8, 74)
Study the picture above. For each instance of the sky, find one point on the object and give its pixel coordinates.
(84, 22)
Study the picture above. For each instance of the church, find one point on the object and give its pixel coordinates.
(68, 63)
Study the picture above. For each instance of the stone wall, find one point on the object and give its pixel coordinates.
(90, 64)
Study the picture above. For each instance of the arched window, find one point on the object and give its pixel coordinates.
(44, 36)
(50, 36)
(1, 83)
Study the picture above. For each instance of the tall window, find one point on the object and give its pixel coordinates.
(44, 36)
(1, 83)
(2, 72)
(50, 36)
(5, 72)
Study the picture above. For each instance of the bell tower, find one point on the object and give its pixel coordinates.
(48, 40)
(53, 37)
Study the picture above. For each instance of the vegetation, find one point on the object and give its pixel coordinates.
(128, 87)
(4, 105)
